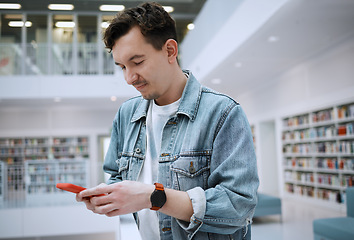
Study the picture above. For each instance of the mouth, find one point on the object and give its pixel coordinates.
(140, 86)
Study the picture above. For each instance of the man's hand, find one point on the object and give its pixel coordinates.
(118, 198)
(129, 197)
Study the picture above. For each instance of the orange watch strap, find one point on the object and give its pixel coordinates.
(155, 208)
(159, 186)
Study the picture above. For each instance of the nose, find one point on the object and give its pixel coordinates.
(130, 76)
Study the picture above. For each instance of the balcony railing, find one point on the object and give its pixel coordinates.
(56, 59)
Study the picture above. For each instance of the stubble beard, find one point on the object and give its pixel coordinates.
(151, 96)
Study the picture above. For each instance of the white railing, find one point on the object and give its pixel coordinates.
(13, 186)
(10, 59)
(33, 182)
(63, 60)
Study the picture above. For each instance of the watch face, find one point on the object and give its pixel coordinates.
(158, 198)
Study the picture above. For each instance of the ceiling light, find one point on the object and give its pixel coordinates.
(113, 98)
(168, 9)
(65, 24)
(112, 8)
(61, 7)
(190, 26)
(19, 24)
(273, 39)
(104, 24)
(10, 6)
(216, 81)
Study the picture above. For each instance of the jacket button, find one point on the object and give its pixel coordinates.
(165, 229)
(191, 168)
(138, 150)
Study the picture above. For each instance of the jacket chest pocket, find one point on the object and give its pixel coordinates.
(190, 172)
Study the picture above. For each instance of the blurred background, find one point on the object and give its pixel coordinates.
(289, 63)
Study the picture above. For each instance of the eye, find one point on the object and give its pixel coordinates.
(122, 67)
(138, 63)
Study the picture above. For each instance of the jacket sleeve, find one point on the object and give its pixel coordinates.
(110, 165)
(229, 202)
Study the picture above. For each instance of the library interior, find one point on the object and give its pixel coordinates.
(288, 63)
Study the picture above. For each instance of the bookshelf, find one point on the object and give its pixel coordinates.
(18, 150)
(69, 147)
(36, 164)
(318, 154)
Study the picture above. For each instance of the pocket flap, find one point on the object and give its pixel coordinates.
(190, 166)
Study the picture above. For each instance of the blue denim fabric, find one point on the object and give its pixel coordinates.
(207, 150)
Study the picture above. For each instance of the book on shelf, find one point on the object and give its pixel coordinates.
(351, 110)
(342, 130)
(346, 111)
(322, 116)
(296, 121)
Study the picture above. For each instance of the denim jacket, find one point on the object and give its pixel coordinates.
(206, 150)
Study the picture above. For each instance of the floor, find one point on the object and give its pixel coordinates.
(296, 222)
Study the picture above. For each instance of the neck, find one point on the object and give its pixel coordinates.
(176, 89)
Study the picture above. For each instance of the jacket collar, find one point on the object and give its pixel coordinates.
(189, 101)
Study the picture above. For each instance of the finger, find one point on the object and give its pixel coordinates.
(79, 198)
(96, 191)
(100, 200)
(104, 209)
(113, 213)
(88, 204)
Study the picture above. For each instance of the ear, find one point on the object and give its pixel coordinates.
(172, 50)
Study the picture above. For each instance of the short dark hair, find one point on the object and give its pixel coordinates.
(155, 24)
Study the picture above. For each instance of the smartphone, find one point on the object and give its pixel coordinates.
(70, 187)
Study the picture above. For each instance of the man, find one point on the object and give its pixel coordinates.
(194, 143)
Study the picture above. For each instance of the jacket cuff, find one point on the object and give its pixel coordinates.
(197, 196)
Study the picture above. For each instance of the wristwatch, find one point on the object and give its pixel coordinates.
(158, 197)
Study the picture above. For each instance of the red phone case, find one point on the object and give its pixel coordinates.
(70, 187)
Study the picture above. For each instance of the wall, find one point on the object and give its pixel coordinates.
(268, 167)
(322, 80)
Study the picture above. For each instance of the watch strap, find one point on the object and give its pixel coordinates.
(159, 187)
(159, 191)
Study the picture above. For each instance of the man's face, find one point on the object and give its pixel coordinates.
(143, 66)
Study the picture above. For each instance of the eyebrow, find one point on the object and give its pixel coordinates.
(132, 58)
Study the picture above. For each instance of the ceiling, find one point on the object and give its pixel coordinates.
(184, 12)
(304, 28)
(180, 6)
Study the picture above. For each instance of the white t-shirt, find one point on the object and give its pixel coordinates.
(156, 119)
